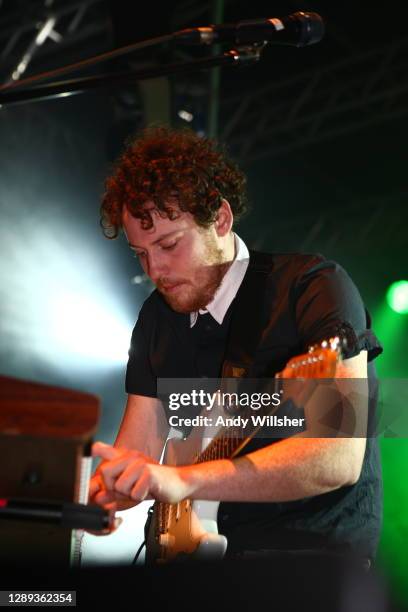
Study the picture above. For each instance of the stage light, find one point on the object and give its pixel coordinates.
(84, 328)
(397, 297)
(139, 279)
(185, 115)
(45, 31)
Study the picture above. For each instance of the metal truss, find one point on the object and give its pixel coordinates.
(43, 28)
(336, 99)
(26, 26)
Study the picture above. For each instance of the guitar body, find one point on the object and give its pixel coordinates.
(188, 528)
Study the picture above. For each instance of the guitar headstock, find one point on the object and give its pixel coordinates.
(319, 362)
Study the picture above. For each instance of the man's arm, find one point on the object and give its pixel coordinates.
(291, 469)
(144, 426)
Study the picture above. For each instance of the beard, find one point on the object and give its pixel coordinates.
(189, 296)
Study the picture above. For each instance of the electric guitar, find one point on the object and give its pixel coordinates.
(189, 528)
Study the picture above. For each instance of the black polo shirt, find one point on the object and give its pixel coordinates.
(307, 299)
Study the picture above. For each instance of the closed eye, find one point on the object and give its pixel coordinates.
(170, 246)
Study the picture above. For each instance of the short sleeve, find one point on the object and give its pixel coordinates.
(140, 379)
(328, 304)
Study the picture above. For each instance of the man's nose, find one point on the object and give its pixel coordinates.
(156, 267)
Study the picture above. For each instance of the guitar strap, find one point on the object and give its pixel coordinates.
(247, 318)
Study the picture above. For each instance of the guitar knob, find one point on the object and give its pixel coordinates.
(166, 540)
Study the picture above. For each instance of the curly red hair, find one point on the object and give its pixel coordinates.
(163, 164)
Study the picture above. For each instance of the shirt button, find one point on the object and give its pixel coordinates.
(225, 517)
(208, 328)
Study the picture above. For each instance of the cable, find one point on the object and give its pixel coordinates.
(138, 552)
(91, 61)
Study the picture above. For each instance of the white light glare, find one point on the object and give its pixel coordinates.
(83, 327)
(21, 68)
(183, 114)
(139, 279)
(57, 306)
(45, 31)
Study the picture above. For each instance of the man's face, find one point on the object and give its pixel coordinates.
(183, 260)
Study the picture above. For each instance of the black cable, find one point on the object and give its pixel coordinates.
(147, 526)
(138, 552)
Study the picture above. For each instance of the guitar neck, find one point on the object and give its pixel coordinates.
(224, 447)
(230, 440)
(320, 362)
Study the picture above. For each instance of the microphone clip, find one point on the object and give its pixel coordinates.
(247, 54)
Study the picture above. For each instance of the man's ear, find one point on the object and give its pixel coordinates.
(224, 219)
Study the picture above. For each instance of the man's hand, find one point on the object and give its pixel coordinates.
(108, 501)
(129, 477)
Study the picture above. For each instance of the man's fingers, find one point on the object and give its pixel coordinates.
(95, 485)
(129, 476)
(141, 489)
(104, 497)
(105, 451)
(114, 522)
(111, 470)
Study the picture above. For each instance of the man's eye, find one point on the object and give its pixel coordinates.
(138, 255)
(170, 246)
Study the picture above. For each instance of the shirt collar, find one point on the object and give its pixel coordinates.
(229, 285)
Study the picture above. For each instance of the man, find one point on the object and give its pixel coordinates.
(176, 197)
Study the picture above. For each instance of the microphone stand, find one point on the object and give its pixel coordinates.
(241, 56)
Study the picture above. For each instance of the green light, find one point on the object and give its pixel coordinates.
(397, 297)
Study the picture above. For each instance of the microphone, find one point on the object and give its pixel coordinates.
(66, 514)
(299, 30)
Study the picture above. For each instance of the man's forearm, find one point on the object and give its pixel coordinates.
(143, 427)
(288, 470)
